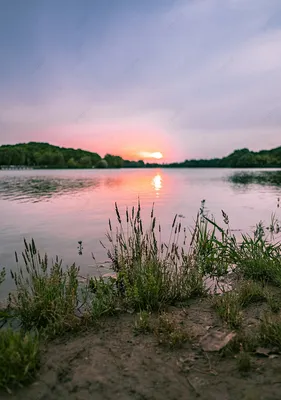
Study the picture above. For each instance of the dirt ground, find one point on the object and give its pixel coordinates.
(114, 363)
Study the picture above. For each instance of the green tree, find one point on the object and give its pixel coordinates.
(86, 162)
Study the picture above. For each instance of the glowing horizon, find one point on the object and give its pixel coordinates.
(147, 155)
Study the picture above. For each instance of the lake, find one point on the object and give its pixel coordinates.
(58, 208)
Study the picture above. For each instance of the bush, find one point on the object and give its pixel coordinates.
(19, 358)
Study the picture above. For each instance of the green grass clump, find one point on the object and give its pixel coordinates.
(169, 333)
(19, 358)
(151, 273)
(47, 296)
(104, 300)
(244, 362)
(250, 292)
(228, 308)
(270, 330)
(142, 323)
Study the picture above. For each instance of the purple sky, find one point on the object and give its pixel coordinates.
(193, 78)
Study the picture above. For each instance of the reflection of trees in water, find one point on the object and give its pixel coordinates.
(42, 188)
(113, 182)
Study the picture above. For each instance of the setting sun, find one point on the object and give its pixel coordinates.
(146, 154)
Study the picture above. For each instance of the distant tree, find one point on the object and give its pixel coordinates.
(114, 161)
(86, 162)
(71, 163)
(102, 164)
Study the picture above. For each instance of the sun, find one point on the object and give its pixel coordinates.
(146, 154)
(157, 155)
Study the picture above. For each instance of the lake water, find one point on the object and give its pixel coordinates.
(58, 208)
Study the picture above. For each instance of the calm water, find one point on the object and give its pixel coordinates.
(59, 208)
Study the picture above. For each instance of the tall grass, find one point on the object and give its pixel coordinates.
(255, 256)
(151, 273)
(46, 294)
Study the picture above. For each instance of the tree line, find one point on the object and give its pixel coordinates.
(44, 155)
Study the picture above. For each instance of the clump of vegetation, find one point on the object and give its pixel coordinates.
(270, 330)
(104, 300)
(244, 362)
(19, 358)
(228, 308)
(250, 292)
(149, 272)
(142, 323)
(47, 296)
(169, 333)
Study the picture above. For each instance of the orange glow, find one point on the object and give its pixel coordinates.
(128, 141)
(146, 154)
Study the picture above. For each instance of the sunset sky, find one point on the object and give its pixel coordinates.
(187, 78)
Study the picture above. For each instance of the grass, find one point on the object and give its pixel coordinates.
(229, 309)
(19, 358)
(270, 330)
(142, 323)
(250, 292)
(47, 295)
(104, 300)
(169, 333)
(150, 275)
(244, 362)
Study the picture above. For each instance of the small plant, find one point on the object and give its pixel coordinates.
(270, 330)
(273, 302)
(168, 333)
(105, 299)
(47, 296)
(19, 358)
(142, 323)
(250, 292)
(244, 362)
(228, 308)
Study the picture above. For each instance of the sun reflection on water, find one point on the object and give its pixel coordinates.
(157, 182)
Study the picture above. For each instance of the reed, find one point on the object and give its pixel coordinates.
(46, 295)
(149, 272)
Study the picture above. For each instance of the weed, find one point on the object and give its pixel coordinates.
(142, 323)
(270, 330)
(228, 308)
(46, 297)
(19, 358)
(244, 362)
(273, 302)
(250, 292)
(168, 333)
(104, 300)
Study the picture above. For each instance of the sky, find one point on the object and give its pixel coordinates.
(187, 78)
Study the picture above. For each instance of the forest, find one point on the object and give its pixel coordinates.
(45, 155)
